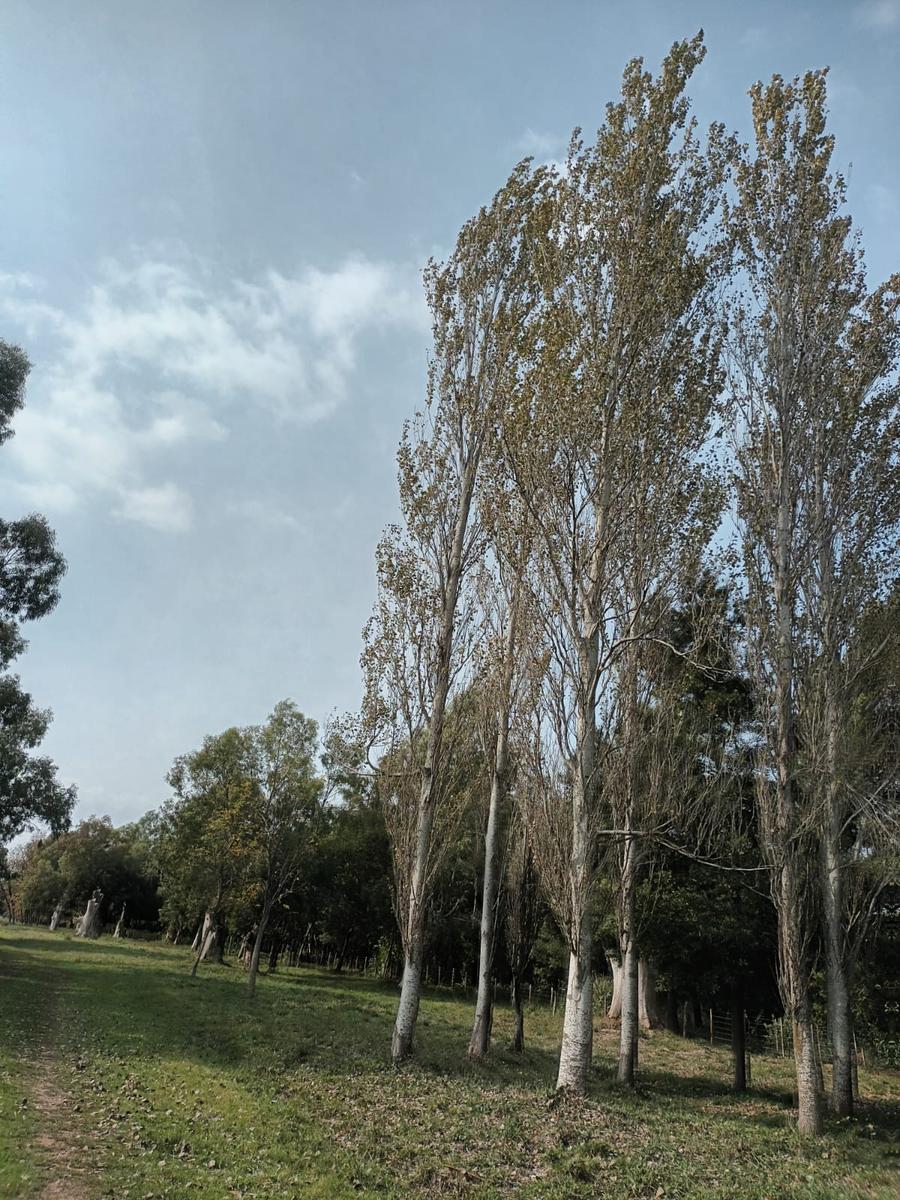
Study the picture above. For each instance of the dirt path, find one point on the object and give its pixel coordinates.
(57, 1140)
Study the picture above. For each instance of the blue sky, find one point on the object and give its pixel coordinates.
(214, 219)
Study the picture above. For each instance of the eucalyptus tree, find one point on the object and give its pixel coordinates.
(418, 641)
(816, 424)
(207, 840)
(31, 568)
(284, 809)
(620, 255)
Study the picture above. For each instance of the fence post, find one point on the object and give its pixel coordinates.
(710, 1027)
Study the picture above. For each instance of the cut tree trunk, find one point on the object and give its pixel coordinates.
(57, 913)
(89, 923)
(212, 947)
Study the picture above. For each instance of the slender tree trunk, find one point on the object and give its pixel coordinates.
(209, 942)
(615, 1003)
(257, 946)
(342, 954)
(120, 924)
(200, 935)
(738, 1037)
(839, 1013)
(274, 951)
(840, 1029)
(481, 1029)
(628, 1031)
(648, 1011)
(414, 932)
(672, 1023)
(791, 901)
(688, 1023)
(518, 1042)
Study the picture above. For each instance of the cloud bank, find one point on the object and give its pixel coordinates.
(159, 354)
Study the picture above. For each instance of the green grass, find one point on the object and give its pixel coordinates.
(185, 1088)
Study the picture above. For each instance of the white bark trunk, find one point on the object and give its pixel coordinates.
(257, 947)
(212, 948)
(200, 935)
(57, 913)
(628, 1031)
(120, 924)
(615, 1003)
(578, 1023)
(407, 1011)
(577, 1047)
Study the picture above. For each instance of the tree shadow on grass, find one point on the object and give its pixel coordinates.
(130, 1001)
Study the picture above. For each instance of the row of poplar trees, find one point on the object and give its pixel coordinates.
(660, 361)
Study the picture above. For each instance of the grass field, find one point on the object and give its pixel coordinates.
(121, 1077)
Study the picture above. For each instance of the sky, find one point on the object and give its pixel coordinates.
(213, 221)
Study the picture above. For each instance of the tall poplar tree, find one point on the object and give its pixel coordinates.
(623, 265)
(419, 640)
(816, 425)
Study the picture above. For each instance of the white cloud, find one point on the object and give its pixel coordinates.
(158, 354)
(879, 14)
(166, 508)
(263, 512)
